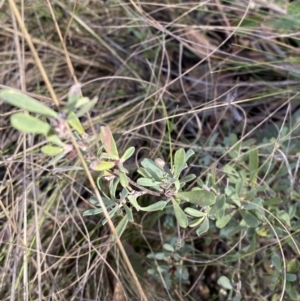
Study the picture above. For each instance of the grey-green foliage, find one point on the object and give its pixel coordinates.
(197, 208)
(168, 263)
(237, 207)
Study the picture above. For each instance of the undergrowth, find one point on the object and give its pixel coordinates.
(149, 151)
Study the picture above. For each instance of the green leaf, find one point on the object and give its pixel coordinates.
(292, 210)
(143, 172)
(273, 201)
(253, 165)
(276, 262)
(194, 212)
(52, 150)
(291, 277)
(124, 194)
(18, 99)
(128, 153)
(188, 154)
(108, 141)
(290, 20)
(73, 96)
(292, 292)
(231, 192)
(81, 102)
(203, 227)
(254, 205)
(146, 182)
(293, 266)
(92, 211)
(179, 161)
(122, 168)
(160, 205)
(86, 107)
(219, 205)
(75, 123)
(133, 201)
(263, 231)
(168, 248)
(121, 226)
(219, 214)
(152, 168)
(123, 179)
(222, 222)
(55, 140)
(198, 197)
(103, 166)
(249, 219)
(239, 185)
(196, 222)
(180, 215)
(284, 217)
(111, 214)
(29, 124)
(251, 194)
(107, 202)
(161, 255)
(187, 179)
(128, 213)
(225, 283)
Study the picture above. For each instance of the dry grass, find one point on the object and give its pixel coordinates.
(205, 69)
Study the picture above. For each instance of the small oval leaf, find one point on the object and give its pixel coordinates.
(133, 201)
(222, 222)
(153, 169)
(108, 141)
(75, 123)
(29, 124)
(291, 277)
(160, 205)
(194, 212)
(219, 205)
(128, 153)
(293, 266)
(203, 227)
(103, 166)
(86, 107)
(146, 182)
(55, 140)
(128, 213)
(179, 160)
(51, 150)
(225, 283)
(123, 179)
(92, 211)
(169, 248)
(180, 215)
(74, 95)
(249, 219)
(187, 178)
(20, 100)
(121, 226)
(196, 222)
(188, 154)
(81, 102)
(198, 197)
